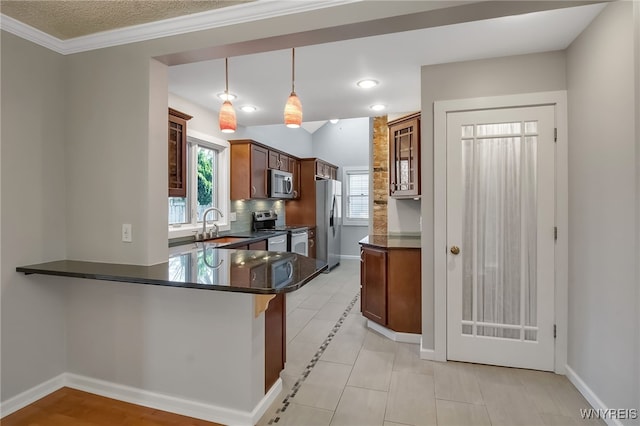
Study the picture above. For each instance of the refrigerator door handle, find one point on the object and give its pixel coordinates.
(332, 217)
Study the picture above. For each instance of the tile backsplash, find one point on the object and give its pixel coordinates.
(244, 208)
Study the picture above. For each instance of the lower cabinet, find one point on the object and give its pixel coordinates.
(274, 340)
(259, 245)
(391, 287)
(373, 279)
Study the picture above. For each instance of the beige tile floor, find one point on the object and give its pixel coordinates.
(364, 379)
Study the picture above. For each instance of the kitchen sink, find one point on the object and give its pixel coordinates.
(227, 240)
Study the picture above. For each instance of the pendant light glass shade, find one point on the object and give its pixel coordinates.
(293, 108)
(227, 117)
(293, 111)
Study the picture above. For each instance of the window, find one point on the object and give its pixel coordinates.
(356, 183)
(207, 186)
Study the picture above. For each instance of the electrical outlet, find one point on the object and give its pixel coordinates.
(126, 233)
(232, 216)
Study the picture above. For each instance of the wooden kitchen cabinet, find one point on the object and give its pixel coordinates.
(391, 287)
(325, 170)
(278, 161)
(274, 340)
(302, 209)
(294, 169)
(258, 245)
(373, 280)
(404, 157)
(177, 144)
(249, 164)
(312, 242)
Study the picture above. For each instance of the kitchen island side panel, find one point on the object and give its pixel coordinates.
(197, 345)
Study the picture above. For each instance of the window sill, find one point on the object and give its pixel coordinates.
(354, 223)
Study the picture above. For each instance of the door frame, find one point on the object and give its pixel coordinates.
(440, 111)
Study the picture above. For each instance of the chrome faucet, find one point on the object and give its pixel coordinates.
(204, 221)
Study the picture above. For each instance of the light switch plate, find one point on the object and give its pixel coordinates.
(232, 216)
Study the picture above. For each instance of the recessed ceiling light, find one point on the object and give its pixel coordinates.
(226, 97)
(248, 108)
(378, 107)
(367, 84)
(333, 120)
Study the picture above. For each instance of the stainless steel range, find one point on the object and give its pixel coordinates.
(297, 236)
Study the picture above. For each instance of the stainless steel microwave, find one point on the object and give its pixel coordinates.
(280, 184)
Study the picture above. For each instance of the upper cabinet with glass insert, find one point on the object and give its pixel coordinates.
(404, 157)
(178, 153)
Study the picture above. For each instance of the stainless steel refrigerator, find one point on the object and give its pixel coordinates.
(328, 221)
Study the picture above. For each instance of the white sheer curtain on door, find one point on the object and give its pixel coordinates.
(499, 230)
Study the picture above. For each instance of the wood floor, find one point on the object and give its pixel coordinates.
(70, 407)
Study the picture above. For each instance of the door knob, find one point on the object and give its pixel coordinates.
(455, 249)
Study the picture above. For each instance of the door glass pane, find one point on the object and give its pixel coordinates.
(467, 131)
(503, 333)
(530, 127)
(530, 220)
(499, 230)
(467, 237)
(404, 160)
(498, 129)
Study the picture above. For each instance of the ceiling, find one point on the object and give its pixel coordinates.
(326, 74)
(67, 19)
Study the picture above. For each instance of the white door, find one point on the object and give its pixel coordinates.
(500, 233)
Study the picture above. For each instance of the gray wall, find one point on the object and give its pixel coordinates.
(346, 143)
(603, 215)
(33, 226)
(279, 136)
(488, 77)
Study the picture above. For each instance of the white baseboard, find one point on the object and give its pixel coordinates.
(185, 407)
(349, 257)
(589, 395)
(31, 395)
(396, 336)
(266, 401)
(431, 354)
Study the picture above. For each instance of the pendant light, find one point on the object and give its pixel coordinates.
(227, 118)
(293, 108)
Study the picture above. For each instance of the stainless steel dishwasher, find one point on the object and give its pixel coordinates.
(278, 243)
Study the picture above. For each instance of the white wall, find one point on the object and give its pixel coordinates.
(403, 216)
(603, 203)
(294, 141)
(174, 341)
(345, 144)
(33, 214)
(488, 77)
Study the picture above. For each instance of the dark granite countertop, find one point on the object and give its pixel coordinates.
(203, 267)
(392, 241)
(251, 236)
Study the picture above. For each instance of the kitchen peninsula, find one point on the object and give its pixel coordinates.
(204, 354)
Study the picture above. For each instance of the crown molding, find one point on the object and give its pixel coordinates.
(246, 12)
(34, 35)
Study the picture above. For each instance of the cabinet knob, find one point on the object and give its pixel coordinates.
(455, 250)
